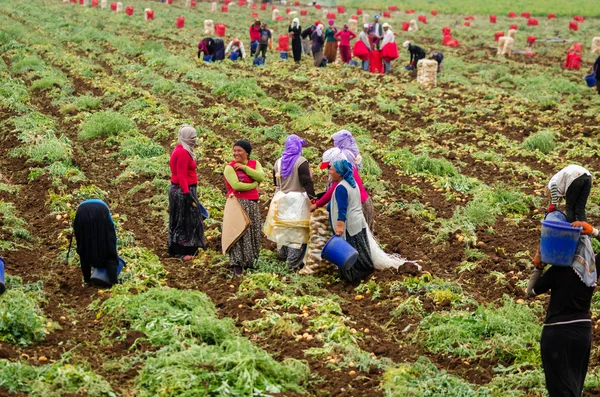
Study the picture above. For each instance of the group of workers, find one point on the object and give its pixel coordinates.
(376, 44)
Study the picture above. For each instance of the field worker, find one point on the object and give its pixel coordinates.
(293, 194)
(295, 31)
(416, 54)
(265, 41)
(596, 70)
(364, 37)
(376, 33)
(254, 36)
(96, 239)
(307, 37)
(186, 230)
(219, 54)
(388, 39)
(566, 337)
(2, 285)
(438, 57)
(206, 46)
(347, 220)
(574, 183)
(318, 40)
(242, 177)
(331, 45)
(236, 47)
(344, 36)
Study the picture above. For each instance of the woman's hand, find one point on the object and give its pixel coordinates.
(339, 229)
(313, 207)
(239, 167)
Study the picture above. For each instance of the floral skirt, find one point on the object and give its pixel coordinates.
(246, 250)
(186, 230)
(364, 265)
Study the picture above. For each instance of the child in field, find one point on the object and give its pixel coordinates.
(574, 183)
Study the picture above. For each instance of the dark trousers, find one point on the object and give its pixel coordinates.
(262, 50)
(565, 356)
(576, 198)
(111, 270)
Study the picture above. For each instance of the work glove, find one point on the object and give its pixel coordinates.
(552, 208)
(587, 228)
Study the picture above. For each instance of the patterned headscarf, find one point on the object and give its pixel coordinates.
(344, 168)
(292, 150)
(584, 261)
(347, 144)
(187, 138)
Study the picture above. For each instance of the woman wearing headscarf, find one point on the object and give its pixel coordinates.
(242, 177)
(186, 230)
(566, 338)
(206, 46)
(96, 239)
(295, 30)
(318, 40)
(389, 50)
(331, 45)
(347, 220)
(344, 36)
(288, 222)
(344, 141)
(236, 47)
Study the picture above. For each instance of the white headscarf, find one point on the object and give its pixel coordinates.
(187, 139)
(295, 22)
(320, 30)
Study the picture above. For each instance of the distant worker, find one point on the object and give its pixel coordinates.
(438, 57)
(596, 70)
(574, 183)
(331, 45)
(295, 30)
(318, 40)
(389, 50)
(265, 41)
(376, 33)
(235, 49)
(206, 47)
(344, 36)
(416, 54)
(254, 36)
(364, 37)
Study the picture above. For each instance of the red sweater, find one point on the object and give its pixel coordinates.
(183, 169)
(345, 36)
(254, 33)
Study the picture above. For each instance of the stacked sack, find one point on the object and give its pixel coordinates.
(596, 45)
(318, 236)
(427, 73)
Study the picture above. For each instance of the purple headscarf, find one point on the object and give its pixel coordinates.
(292, 150)
(344, 141)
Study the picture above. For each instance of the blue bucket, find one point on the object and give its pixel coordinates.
(590, 79)
(100, 276)
(339, 252)
(258, 61)
(254, 45)
(2, 285)
(556, 216)
(204, 212)
(234, 56)
(208, 58)
(558, 243)
(283, 55)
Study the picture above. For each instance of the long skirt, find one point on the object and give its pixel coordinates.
(345, 53)
(186, 230)
(318, 58)
(297, 50)
(306, 46)
(565, 356)
(293, 256)
(369, 212)
(245, 251)
(364, 265)
(331, 48)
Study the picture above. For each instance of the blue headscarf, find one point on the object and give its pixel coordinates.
(345, 169)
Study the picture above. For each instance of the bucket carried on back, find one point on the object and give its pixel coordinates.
(558, 242)
(339, 252)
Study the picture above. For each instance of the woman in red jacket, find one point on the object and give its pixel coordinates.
(186, 231)
(344, 36)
